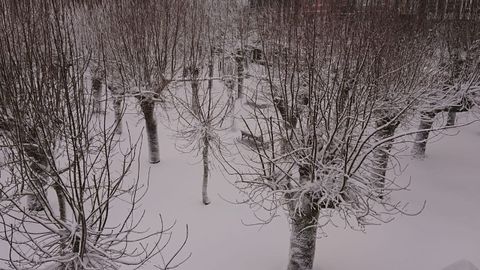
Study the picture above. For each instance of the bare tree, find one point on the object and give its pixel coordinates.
(52, 140)
(319, 150)
(202, 113)
(142, 53)
(200, 129)
(455, 88)
(399, 77)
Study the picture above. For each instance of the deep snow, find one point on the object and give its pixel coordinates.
(448, 230)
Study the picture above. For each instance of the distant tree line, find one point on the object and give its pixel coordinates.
(429, 9)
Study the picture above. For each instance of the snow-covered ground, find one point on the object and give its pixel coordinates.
(448, 230)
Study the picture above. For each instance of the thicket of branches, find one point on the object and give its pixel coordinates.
(339, 85)
(334, 93)
(63, 164)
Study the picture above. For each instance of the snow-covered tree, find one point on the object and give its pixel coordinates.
(456, 85)
(199, 130)
(201, 114)
(52, 140)
(141, 54)
(336, 97)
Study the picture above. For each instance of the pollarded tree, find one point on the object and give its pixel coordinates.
(52, 141)
(94, 33)
(456, 84)
(141, 54)
(200, 115)
(399, 76)
(200, 128)
(310, 151)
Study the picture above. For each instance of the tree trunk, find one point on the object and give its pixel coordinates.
(231, 98)
(61, 201)
(117, 107)
(381, 154)
(290, 120)
(452, 117)
(148, 109)
(97, 94)
(38, 176)
(62, 210)
(210, 71)
(195, 98)
(426, 123)
(205, 198)
(303, 238)
(33, 202)
(240, 69)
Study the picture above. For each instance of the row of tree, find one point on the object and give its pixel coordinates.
(423, 9)
(338, 94)
(61, 154)
(345, 91)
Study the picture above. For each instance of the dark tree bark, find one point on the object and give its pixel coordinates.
(38, 164)
(210, 71)
(451, 118)
(195, 97)
(290, 119)
(231, 99)
(382, 153)
(61, 200)
(240, 70)
(97, 95)
(426, 123)
(303, 238)
(117, 108)
(148, 109)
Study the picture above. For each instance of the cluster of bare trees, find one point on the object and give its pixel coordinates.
(334, 95)
(456, 87)
(340, 86)
(63, 167)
